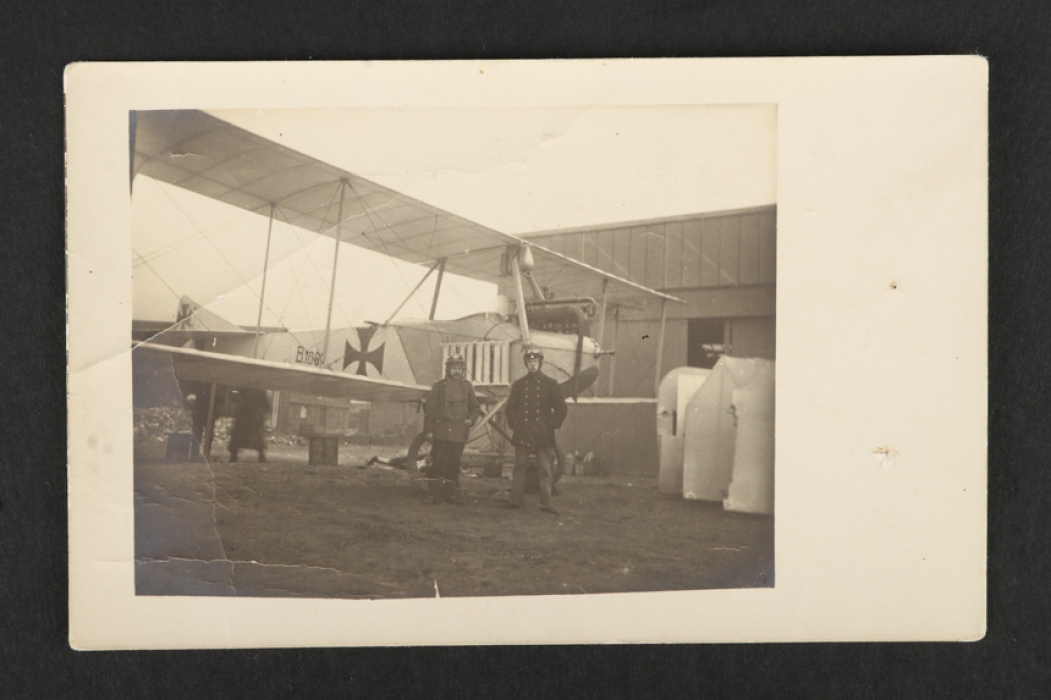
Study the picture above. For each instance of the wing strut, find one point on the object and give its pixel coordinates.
(613, 355)
(437, 287)
(414, 289)
(209, 426)
(534, 285)
(516, 272)
(660, 348)
(335, 263)
(262, 292)
(602, 314)
(477, 428)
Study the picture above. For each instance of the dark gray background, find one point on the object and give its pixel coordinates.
(40, 38)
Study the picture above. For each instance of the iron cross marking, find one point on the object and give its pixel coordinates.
(364, 357)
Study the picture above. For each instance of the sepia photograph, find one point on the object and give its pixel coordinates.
(526, 352)
(397, 353)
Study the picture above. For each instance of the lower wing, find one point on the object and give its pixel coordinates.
(235, 370)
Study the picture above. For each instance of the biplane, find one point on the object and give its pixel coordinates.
(552, 299)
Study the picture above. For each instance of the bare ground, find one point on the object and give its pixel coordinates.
(286, 528)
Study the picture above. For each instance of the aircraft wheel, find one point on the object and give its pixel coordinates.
(494, 468)
(418, 461)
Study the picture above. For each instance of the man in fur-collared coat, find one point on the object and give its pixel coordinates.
(450, 411)
(250, 410)
(535, 410)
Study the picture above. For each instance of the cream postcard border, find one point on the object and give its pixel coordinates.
(881, 351)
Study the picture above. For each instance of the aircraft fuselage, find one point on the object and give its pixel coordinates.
(414, 352)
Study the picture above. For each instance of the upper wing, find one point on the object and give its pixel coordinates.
(212, 157)
(235, 370)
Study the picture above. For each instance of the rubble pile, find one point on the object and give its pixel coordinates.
(159, 422)
(285, 439)
(223, 427)
(156, 424)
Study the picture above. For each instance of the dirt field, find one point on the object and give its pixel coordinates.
(285, 528)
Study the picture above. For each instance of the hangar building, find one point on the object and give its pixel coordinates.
(722, 264)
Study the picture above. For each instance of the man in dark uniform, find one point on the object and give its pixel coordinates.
(449, 413)
(535, 410)
(250, 410)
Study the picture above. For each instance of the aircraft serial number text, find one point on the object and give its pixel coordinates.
(309, 357)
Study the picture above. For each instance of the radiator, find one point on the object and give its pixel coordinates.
(487, 362)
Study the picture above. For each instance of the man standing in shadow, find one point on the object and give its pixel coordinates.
(250, 410)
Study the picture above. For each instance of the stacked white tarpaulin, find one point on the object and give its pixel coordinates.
(752, 484)
(719, 443)
(677, 388)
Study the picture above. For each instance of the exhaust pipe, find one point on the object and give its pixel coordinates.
(564, 311)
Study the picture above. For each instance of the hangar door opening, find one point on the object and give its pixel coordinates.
(707, 339)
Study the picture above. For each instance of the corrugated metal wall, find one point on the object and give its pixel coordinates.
(722, 264)
(634, 364)
(711, 250)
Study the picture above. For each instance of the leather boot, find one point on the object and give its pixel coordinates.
(434, 497)
(453, 493)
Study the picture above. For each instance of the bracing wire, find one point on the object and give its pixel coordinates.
(158, 276)
(313, 265)
(182, 243)
(373, 216)
(207, 238)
